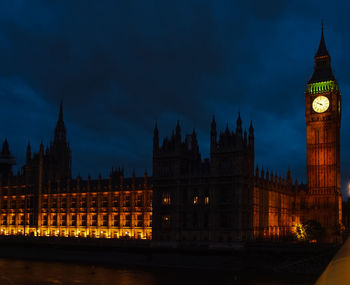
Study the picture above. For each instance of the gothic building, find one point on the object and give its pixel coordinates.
(44, 200)
(204, 199)
(221, 198)
(323, 117)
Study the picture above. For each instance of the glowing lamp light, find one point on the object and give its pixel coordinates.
(349, 190)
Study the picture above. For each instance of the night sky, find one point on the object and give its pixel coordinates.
(120, 66)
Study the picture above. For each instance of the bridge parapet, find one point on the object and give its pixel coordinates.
(337, 271)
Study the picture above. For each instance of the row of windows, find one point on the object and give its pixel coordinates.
(21, 204)
(166, 200)
(74, 202)
(116, 221)
(12, 220)
(195, 221)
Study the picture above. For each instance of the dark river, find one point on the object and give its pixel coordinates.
(37, 272)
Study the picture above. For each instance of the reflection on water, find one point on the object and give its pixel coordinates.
(20, 272)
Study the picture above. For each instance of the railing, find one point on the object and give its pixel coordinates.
(337, 271)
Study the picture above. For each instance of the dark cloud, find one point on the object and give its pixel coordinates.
(121, 65)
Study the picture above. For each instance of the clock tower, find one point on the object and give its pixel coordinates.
(323, 116)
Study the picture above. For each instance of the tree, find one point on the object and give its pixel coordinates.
(313, 230)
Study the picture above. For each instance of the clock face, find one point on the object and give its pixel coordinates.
(320, 104)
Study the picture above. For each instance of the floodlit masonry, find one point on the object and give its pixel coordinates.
(91, 208)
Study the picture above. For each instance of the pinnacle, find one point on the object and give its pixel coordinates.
(322, 49)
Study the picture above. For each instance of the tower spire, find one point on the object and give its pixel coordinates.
(322, 66)
(155, 140)
(5, 148)
(178, 131)
(60, 130)
(213, 135)
(322, 49)
(29, 152)
(239, 126)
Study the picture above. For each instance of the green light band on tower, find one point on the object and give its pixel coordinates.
(321, 87)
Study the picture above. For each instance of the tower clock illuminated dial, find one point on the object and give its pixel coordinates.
(320, 104)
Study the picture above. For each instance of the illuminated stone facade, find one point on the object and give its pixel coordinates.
(91, 208)
(323, 118)
(44, 200)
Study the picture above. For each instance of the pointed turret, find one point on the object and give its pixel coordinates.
(60, 162)
(239, 126)
(267, 175)
(194, 142)
(227, 130)
(41, 149)
(271, 176)
(5, 148)
(155, 140)
(194, 137)
(296, 185)
(322, 67)
(213, 125)
(289, 177)
(29, 153)
(6, 162)
(251, 134)
(213, 135)
(178, 131)
(60, 130)
(322, 49)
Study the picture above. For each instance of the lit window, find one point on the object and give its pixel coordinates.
(54, 220)
(139, 220)
(116, 221)
(84, 220)
(166, 199)
(105, 220)
(74, 220)
(64, 220)
(44, 221)
(128, 220)
(166, 221)
(206, 200)
(94, 220)
(195, 200)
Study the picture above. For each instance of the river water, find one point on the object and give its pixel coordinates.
(18, 272)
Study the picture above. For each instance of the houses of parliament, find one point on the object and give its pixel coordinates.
(221, 198)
